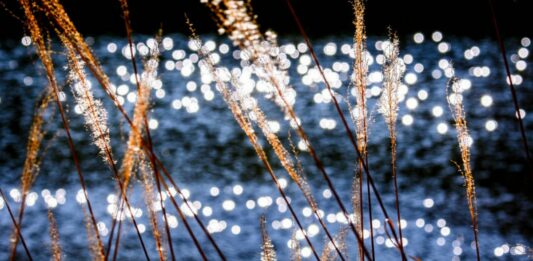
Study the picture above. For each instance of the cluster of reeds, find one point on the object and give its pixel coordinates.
(259, 52)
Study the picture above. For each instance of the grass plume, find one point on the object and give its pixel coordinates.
(393, 70)
(151, 200)
(340, 242)
(32, 161)
(54, 236)
(360, 66)
(235, 104)
(268, 253)
(46, 59)
(455, 101)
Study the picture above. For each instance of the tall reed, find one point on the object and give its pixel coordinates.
(348, 132)
(16, 226)
(151, 200)
(244, 122)
(58, 17)
(228, 15)
(32, 161)
(54, 236)
(393, 70)
(96, 121)
(268, 252)
(340, 239)
(45, 56)
(360, 66)
(455, 101)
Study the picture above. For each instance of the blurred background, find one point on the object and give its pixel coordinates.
(207, 153)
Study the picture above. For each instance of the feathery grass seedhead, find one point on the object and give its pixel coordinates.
(96, 249)
(393, 70)
(46, 59)
(360, 75)
(238, 106)
(268, 252)
(361, 122)
(134, 150)
(455, 102)
(295, 247)
(32, 161)
(151, 203)
(54, 236)
(328, 253)
(92, 109)
(236, 19)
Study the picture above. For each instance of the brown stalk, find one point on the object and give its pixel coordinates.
(142, 116)
(392, 71)
(148, 181)
(46, 60)
(94, 118)
(17, 227)
(268, 252)
(247, 40)
(246, 126)
(32, 161)
(455, 100)
(54, 236)
(511, 86)
(57, 14)
(349, 134)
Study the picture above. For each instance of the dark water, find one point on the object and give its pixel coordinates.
(209, 156)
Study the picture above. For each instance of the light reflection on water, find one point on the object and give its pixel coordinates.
(220, 175)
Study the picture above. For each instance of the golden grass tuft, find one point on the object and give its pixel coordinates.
(361, 123)
(32, 161)
(455, 101)
(54, 236)
(268, 252)
(393, 70)
(151, 200)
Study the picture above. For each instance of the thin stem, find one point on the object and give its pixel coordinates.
(17, 227)
(511, 87)
(352, 140)
(46, 60)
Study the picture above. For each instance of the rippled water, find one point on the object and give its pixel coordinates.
(213, 162)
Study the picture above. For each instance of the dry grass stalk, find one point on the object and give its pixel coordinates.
(54, 236)
(237, 106)
(142, 103)
(17, 227)
(295, 247)
(151, 200)
(359, 80)
(96, 249)
(388, 107)
(268, 252)
(65, 27)
(32, 161)
(247, 36)
(133, 156)
(93, 111)
(340, 242)
(455, 101)
(95, 119)
(46, 59)
(370, 183)
(236, 19)
(287, 163)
